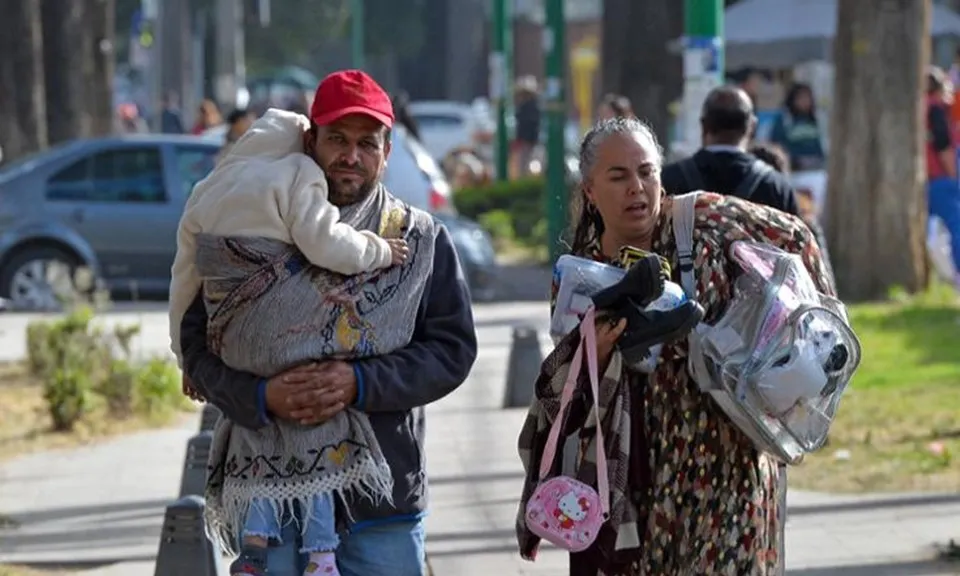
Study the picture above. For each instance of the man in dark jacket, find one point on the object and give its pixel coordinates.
(349, 139)
(723, 164)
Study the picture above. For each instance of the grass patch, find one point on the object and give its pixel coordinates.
(26, 425)
(898, 426)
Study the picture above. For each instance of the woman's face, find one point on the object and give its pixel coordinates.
(803, 101)
(624, 186)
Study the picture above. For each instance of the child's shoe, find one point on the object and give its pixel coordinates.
(322, 564)
(251, 562)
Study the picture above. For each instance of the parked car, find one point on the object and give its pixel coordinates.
(114, 204)
(477, 256)
(447, 125)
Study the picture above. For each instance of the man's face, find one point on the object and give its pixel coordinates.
(353, 153)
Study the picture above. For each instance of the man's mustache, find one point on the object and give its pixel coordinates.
(357, 169)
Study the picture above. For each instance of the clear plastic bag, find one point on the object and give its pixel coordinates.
(781, 356)
(578, 279)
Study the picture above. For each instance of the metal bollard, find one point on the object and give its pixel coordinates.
(209, 417)
(185, 547)
(523, 367)
(194, 479)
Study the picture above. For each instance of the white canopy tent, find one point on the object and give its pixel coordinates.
(783, 33)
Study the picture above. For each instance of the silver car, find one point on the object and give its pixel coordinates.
(113, 205)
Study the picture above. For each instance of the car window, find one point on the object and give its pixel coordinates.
(133, 175)
(71, 183)
(438, 120)
(193, 165)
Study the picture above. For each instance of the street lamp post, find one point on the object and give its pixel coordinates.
(556, 193)
(357, 40)
(499, 64)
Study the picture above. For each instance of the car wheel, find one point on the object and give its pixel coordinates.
(25, 280)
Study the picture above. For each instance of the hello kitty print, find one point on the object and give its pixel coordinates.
(565, 512)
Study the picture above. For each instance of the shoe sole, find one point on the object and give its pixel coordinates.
(677, 334)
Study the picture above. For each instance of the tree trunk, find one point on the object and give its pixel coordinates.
(637, 61)
(66, 61)
(100, 17)
(23, 127)
(877, 208)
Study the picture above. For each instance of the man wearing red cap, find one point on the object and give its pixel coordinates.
(349, 138)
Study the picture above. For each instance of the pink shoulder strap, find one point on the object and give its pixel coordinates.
(588, 342)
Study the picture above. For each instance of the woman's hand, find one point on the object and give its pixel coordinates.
(609, 331)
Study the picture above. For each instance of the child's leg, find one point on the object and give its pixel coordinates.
(320, 538)
(260, 528)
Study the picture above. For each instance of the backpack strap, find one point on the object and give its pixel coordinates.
(691, 174)
(683, 216)
(748, 186)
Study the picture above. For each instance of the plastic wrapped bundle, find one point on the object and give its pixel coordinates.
(781, 356)
(578, 280)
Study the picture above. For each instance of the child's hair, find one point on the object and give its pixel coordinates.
(772, 155)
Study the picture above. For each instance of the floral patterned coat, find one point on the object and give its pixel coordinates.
(709, 504)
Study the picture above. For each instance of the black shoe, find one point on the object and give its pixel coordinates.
(642, 285)
(647, 328)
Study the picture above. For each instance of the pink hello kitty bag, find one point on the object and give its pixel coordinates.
(563, 510)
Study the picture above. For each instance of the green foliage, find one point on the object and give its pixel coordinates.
(83, 366)
(499, 224)
(158, 388)
(521, 201)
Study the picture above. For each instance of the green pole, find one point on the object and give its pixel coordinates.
(500, 85)
(556, 197)
(703, 18)
(704, 66)
(357, 52)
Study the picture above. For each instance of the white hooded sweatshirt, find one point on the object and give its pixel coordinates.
(265, 186)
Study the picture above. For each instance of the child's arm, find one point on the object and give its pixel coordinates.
(185, 281)
(315, 228)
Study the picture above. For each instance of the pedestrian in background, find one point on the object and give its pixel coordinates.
(797, 129)
(208, 116)
(943, 191)
(528, 117)
(614, 106)
(170, 118)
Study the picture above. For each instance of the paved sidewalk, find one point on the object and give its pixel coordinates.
(101, 507)
(94, 506)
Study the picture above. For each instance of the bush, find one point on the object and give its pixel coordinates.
(499, 224)
(522, 200)
(82, 367)
(158, 388)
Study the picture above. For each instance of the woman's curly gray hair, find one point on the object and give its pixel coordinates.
(588, 225)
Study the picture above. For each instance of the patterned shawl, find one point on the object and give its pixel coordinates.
(690, 495)
(271, 310)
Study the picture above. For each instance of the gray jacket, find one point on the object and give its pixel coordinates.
(392, 389)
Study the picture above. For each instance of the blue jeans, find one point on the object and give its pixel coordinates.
(389, 549)
(943, 199)
(319, 534)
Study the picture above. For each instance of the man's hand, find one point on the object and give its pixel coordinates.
(333, 387)
(189, 390)
(285, 385)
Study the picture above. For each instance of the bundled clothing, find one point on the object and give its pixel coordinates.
(690, 494)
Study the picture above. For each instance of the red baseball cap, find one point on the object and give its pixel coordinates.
(350, 92)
